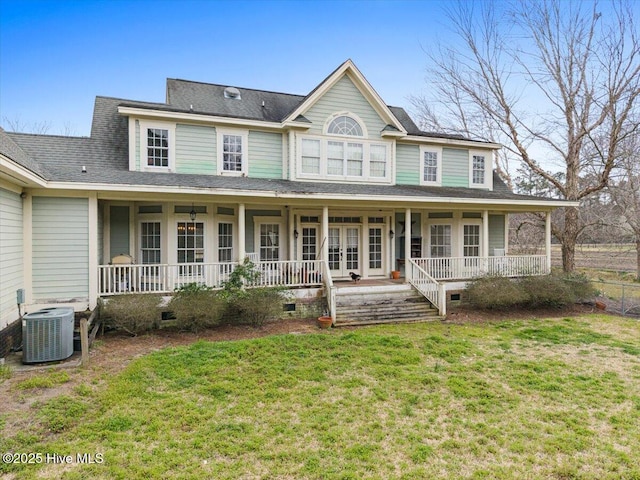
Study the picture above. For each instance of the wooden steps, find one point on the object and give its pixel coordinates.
(382, 304)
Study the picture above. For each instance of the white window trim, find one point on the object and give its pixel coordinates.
(463, 223)
(234, 235)
(435, 222)
(151, 218)
(171, 129)
(488, 169)
(282, 247)
(332, 117)
(366, 161)
(438, 151)
(220, 133)
(184, 218)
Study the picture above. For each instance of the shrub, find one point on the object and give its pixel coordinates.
(133, 313)
(256, 305)
(494, 292)
(530, 292)
(242, 274)
(545, 291)
(196, 308)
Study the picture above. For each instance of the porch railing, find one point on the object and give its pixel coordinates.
(427, 286)
(288, 273)
(465, 268)
(164, 278)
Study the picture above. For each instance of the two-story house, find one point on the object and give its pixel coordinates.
(311, 187)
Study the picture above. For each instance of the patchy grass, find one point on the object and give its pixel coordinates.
(521, 399)
(47, 380)
(5, 372)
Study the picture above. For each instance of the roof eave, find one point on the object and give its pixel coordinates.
(452, 141)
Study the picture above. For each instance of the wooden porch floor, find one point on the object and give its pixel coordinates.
(369, 282)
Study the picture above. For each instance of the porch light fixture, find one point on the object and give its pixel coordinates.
(295, 234)
(192, 213)
(391, 234)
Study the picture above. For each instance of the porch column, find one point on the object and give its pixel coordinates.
(325, 234)
(485, 233)
(241, 233)
(407, 242)
(291, 239)
(547, 239)
(93, 250)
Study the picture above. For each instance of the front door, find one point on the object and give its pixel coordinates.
(344, 251)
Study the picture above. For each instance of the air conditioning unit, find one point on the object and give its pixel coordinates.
(47, 335)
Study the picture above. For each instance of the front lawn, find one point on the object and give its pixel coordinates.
(520, 399)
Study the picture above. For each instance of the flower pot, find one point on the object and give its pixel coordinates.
(395, 274)
(325, 321)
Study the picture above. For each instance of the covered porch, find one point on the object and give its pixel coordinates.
(156, 247)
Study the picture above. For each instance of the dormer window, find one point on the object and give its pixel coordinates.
(232, 151)
(157, 146)
(345, 125)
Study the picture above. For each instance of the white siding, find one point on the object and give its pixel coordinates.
(60, 248)
(11, 255)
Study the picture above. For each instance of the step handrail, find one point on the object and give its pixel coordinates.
(428, 286)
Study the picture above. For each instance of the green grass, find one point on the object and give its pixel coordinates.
(521, 399)
(47, 380)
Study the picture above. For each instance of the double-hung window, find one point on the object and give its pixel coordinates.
(225, 242)
(440, 241)
(157, 145)
(232, 152)
(190, 236)
(150, 243)
(269, 241)
(480, 169)
(431, 161)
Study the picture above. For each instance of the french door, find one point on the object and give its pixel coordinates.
(344, 250)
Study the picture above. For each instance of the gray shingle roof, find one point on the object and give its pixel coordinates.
(63, 158)
(208, 98)
(11, 150)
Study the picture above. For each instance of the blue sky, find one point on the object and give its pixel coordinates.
(56, 57)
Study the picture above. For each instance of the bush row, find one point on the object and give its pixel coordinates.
(553, 290)
(197, 307)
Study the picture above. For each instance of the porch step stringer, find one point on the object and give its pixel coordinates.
(382, 304)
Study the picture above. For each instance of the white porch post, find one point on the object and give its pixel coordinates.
(93, 250)
(241, 233)
(407, 242)
(325, 234)
(485, 233)
(547, 239)
(291, 236)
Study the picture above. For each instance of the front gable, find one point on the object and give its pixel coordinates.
(346, 83)
(344, 98)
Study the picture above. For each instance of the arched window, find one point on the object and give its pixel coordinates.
(344, 125)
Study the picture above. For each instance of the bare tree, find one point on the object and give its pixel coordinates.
(18, 125)
(556, 82)
(625, 193)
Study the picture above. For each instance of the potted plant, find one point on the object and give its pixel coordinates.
(325, 320)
